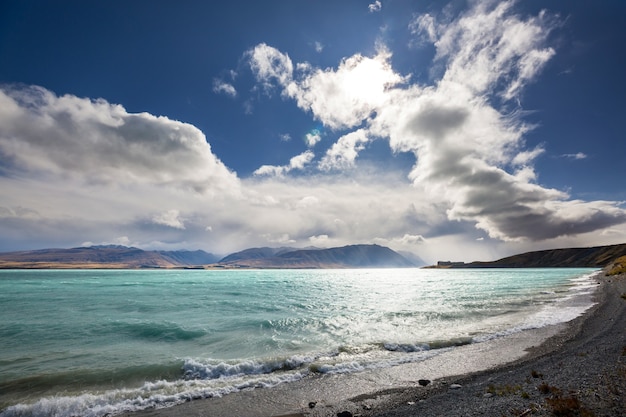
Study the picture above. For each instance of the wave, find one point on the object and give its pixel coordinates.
(155, 331)
(208, 378)
(94, 379)
(194, 369)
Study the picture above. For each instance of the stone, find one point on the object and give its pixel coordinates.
(423, 382)
(344, 414)
(312, 404)
(456, 386)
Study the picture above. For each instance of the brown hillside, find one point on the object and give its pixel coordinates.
(595, 257)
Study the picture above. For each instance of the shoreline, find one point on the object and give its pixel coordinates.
(579, 364)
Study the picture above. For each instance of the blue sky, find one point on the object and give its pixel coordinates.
(463, 130)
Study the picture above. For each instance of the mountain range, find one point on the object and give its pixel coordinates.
(108, 256)
(112, 256)
(352, 256)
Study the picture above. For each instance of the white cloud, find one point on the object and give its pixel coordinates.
(412, 239)
(489, 45)
(339, 98)
(343, 153)
(170, 218)
(300, 161)
(283, 239)
(347, 210)
(270, 65)
(424, 25)
(285, 137)
(320, 240)
(222, 87)
(577, 156)
(307, 202)
(527, 157)
(406, 242)
(470, 155)
(297, 162)
(375, 7)
(319, 47)
(97, 142)
(344, 97)
(312, 138)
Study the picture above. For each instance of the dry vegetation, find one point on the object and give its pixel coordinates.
(617, 267)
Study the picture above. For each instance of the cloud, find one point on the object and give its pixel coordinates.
(489, 45)
(297, 162)
(98, 142)
(170, 218)
(312, 138)
(424, 26)
(221, 87)
(375, 7)
(283, 239)
(344, 97)
(307, 202)
(577, 156)
(320, 240)
(412, 239)
(319, 47)
(470, 154)
(347, 210)
(340, 98)
(526, 157)
(344, 152)
(270, 66)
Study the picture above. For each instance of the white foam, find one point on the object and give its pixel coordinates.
(157, 394)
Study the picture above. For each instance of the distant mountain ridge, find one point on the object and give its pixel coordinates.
(352, 256)
(593, 257)
(114, 256)
(255, 253)
(105, 256)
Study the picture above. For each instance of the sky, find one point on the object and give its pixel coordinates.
(455, 130)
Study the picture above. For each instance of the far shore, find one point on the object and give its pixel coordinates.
(577, 369)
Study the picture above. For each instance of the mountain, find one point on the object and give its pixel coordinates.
(353, 256)
(113, 256)
(255, 253)
(596, 257)
(108, 256)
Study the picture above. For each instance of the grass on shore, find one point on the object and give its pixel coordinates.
(617, 267)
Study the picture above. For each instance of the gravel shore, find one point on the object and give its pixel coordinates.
(579, 370)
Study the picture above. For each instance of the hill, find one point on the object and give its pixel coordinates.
(596, 257)
(353, 256)
(110, 256)
(255, 253)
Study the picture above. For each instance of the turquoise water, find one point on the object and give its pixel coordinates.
(92, 342)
